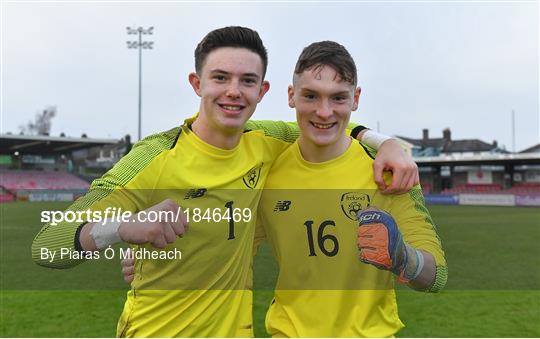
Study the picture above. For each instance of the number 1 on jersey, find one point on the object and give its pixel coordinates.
(229, 205)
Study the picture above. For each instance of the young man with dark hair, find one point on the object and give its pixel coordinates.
(210, 162)
(325, 177)
(233, 36)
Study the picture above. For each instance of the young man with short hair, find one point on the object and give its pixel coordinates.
(209, 162)
(317, 192)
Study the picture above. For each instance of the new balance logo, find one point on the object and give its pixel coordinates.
(282, 205)
(192, 194)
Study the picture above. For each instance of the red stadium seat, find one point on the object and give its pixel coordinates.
(20, 180)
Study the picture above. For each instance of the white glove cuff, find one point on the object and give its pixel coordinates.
(106, 234)
(414, 265)
(420, 267)
(374, 139)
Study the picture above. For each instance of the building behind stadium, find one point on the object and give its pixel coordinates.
(475, 172)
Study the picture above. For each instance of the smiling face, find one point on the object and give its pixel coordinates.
(323, 103)
(230, 85)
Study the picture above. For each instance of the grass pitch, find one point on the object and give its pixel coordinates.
(493, 290)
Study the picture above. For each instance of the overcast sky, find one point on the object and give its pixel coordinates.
(432, 65)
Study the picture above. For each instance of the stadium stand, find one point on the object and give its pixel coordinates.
(474, 188)
(17, 180)
(474, 172)
(426, 187)
(524, 188)
(48, 168)
(6, 196)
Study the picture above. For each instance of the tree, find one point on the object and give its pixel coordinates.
(41, 124)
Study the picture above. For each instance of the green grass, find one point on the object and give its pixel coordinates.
(493, 288)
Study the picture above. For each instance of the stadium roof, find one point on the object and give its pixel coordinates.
(532, 149)
(484, 159)
(43, 144)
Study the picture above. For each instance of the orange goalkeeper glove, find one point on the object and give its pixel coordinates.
(381, 244)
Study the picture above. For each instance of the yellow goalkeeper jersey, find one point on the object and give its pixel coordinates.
(308, 215)
(207, 292)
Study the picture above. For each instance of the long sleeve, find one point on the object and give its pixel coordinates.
(286, 131)
(106, 190)
(418, 229)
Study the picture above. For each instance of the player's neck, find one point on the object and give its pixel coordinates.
(315, 153)
(214, 135)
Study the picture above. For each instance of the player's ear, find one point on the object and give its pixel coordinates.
(356, 98)
(265, 86)
(195, 82)
(290, 93)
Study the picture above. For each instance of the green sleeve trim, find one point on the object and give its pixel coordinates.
(286, 131)
(417, 197)
(440, 280)
(62, 235)
(441, 274)
(372, 152)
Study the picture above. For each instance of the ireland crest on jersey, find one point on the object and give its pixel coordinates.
(353, 202)
(251, 178)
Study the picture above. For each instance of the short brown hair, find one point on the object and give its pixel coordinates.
(328, 53)
(232, 36)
